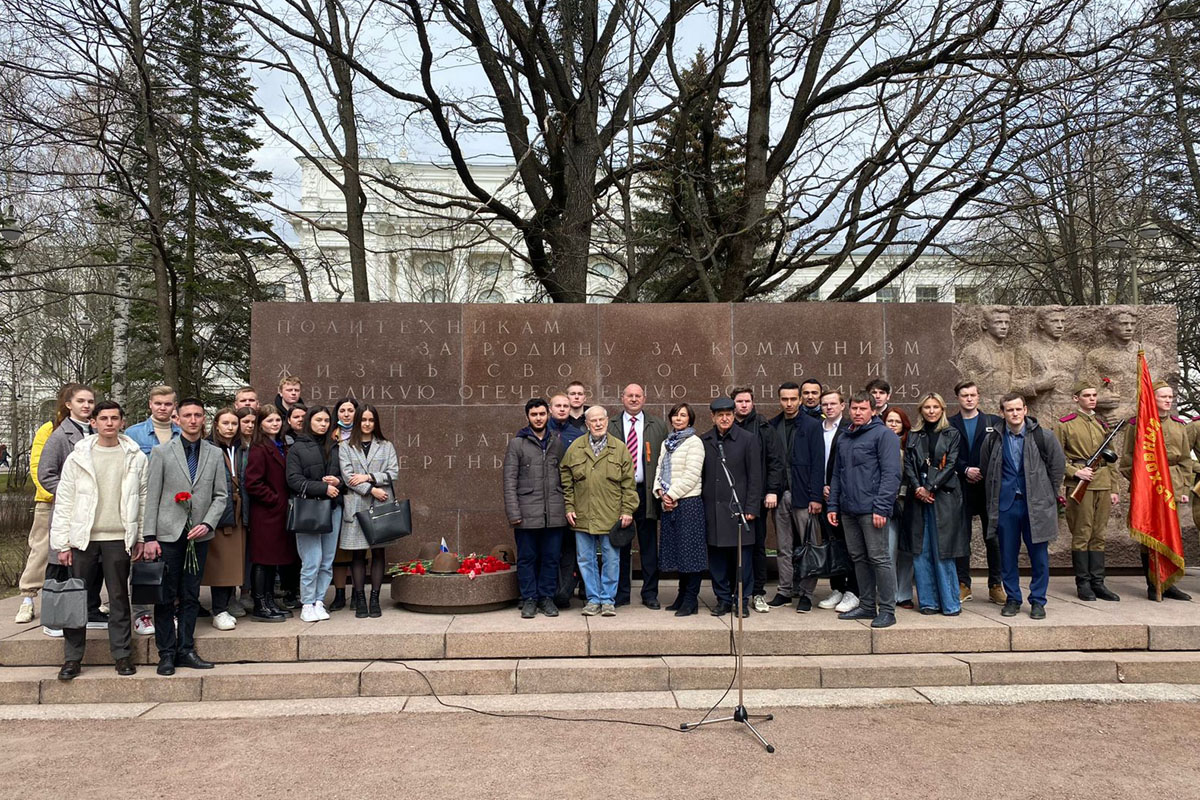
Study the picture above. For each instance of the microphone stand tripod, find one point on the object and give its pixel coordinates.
(739, 711)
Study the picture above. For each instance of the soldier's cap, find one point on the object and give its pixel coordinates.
(1160, 385)
(1082, 386)
(721, 404)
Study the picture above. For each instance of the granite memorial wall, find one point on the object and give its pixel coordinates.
(450, 380)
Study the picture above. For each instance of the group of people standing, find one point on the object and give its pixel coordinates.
(900, 495)
(212, 504)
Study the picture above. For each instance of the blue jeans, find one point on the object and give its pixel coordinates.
(903, 562)
(316, 560)
(601, 586)
(937, 578)
(538, 550)
(1012, 527)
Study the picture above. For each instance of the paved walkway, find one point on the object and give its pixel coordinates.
(1064, 750)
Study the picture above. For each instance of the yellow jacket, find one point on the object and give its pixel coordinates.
(35, 455)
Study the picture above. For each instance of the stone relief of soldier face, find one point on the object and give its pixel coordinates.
(1053, 323)
(1122, 327)
(997, 324)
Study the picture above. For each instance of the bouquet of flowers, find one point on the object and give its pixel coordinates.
(191, 563)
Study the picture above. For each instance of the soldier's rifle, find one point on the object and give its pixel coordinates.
(1103, 452)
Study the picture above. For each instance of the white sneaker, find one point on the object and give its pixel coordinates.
(25, 612)
(224, 621)
(319, 607)
(849, 603)
(143, 625)
(54, 632)
(759, 604)
(831, 601)
(308, 613)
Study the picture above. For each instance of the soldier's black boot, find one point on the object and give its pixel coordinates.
(1096, 568)
(1083, 578)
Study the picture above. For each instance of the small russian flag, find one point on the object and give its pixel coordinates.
(444, 549)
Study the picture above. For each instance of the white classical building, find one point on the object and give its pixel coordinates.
(414, 256)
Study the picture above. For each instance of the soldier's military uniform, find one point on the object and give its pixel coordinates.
(1180, 438)
(1080, 435)
(1195, 497)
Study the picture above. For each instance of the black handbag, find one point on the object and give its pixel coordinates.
(147, 579)
(383, 523)
(829, 559)
(310, 515)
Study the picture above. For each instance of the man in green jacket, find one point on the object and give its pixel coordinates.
(600, 494)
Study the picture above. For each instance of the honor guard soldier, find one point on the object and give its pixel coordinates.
(1180, 439)
(1081, 434)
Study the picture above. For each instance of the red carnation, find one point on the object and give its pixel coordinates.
(183, 497)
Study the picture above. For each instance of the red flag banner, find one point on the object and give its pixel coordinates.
(1153, 519)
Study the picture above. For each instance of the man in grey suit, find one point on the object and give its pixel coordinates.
(189, 465)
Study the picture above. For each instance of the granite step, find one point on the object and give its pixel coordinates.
(1134, 624)
(594, 675)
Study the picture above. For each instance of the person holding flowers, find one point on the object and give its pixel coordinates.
(186, 495)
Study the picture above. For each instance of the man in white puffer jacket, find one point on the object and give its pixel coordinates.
(98, 511)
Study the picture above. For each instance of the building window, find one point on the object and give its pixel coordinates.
(603, 270)
(888, 294)
(434, 269)
(434, 296)
(928, 294)
(490, 296)
(968, 295)
(490, 270)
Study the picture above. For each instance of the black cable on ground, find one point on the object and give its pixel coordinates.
(526, 715)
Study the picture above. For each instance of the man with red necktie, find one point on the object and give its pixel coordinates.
(643, 434)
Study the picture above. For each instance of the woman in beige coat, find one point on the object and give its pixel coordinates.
(684, 543)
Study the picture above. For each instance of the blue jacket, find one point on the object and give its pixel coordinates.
(567, 431)
(866, 478)
(807, 466)
(143, 434)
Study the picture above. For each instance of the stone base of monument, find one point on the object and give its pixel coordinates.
(456, 594)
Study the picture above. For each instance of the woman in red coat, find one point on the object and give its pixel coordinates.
(266, 486)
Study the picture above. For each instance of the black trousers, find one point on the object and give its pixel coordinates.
(184, 586)
(110, 560)
(760, 554)
(568, 570)
(722, 565)
(962, 565)
(647, 538)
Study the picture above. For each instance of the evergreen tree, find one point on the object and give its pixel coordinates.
(217, 237)
(689, 201)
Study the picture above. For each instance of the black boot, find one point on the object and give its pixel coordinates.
(1083, 577)
(1096, 569)
(258, 587)
(359, 598)
(375, 610)
(1175, 593)
(269, 594)
(339, 600)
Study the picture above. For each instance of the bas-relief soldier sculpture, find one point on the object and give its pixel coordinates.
(1113, 366)
(987, 360)
(1047, 366)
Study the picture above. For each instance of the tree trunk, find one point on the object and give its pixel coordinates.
(163, 295)
(120, 346)
(352, 191)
